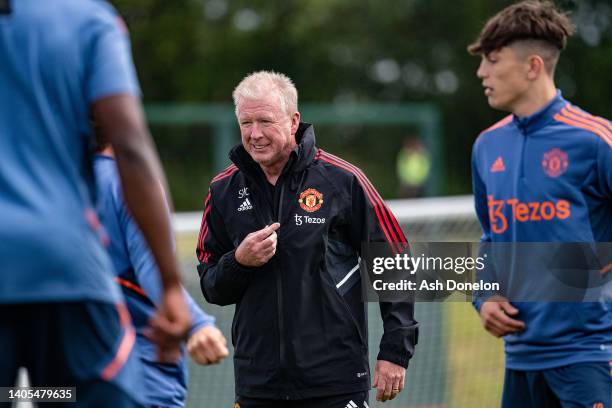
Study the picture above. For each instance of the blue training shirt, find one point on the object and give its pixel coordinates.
(136, 271)
(56, 59)
(548, 178)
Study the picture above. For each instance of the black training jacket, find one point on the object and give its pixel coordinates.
(300, 326)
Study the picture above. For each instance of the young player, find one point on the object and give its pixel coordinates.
(555, 160)
(61, 314)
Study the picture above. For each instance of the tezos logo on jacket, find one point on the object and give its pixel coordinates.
(305, 219)
(310, 200)
(524, 212)
(555, 162)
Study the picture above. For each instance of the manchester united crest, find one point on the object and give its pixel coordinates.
(310, 200)
(555, 162)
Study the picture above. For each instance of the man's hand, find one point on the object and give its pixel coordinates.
(495, 316)
(258, 247)
(169, 327)
(207, 346)
(388, 380)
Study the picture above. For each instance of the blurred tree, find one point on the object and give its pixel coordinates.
(346, 51)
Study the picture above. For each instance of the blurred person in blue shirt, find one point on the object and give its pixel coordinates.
(61, 315)
(165, 385)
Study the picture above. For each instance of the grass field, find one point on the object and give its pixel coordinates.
(476, 361)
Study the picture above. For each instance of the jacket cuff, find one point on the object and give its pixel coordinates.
(196, 327)
(395, 357)
(235, 270)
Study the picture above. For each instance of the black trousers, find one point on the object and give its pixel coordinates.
(354, 400)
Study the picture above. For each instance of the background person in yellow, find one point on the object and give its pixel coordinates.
(281, 238)
(412, 168)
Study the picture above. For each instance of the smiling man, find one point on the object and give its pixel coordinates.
(542, 174)
(281, 238)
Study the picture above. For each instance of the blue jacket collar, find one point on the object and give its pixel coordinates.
(541, 118)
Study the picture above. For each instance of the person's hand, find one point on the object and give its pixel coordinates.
(169, 326)
(388, 380)
(207, 346)
(495, 316)
(258, 247)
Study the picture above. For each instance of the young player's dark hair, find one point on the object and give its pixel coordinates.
(530, 20)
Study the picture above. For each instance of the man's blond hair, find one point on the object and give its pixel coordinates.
(261, 83)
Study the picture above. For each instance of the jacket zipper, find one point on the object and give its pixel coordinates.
(267, 220)
(524, 143)
(279, 285)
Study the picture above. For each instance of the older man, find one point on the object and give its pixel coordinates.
(281, 237)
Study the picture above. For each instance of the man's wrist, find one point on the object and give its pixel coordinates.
(238, 260)
(401, 359)
(233, 264)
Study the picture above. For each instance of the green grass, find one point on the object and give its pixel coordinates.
(476, 360)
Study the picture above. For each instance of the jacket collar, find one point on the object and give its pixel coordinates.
(299, 159)
(532, 123)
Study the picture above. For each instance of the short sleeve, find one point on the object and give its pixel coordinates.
(110, 68)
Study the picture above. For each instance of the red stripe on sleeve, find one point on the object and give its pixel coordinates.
(203, 225)
(581, 124)
(202, 255)
(203, 229)
(379, 207)
(588, 121)
(225, 173)
(585, 115)
(374, 193)
(394, 226)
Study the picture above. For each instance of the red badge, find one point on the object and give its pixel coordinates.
(310, 200)
(555, 162)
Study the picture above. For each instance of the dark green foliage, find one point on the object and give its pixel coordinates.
(194, 50)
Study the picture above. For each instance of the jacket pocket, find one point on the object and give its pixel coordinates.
(341, 292)
(342, 265)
